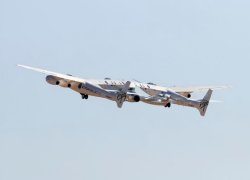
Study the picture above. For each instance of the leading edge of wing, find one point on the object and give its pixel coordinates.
(52, 73)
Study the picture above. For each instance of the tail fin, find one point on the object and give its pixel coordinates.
(122, 95)
(203, 104)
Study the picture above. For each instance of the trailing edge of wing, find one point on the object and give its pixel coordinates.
(71, 78)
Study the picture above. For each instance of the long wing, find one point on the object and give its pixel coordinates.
(180, 90)
(63, 76)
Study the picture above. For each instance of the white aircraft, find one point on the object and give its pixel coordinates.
(121, 91)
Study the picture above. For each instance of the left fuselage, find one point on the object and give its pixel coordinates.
(107, 89)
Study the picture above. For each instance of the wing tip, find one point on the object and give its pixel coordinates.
(20, 65)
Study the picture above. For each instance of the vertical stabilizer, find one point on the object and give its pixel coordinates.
(122, 95)
(203, 104)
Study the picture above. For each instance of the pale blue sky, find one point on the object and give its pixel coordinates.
(49, 133)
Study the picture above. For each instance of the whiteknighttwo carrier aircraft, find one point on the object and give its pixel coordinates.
(121, 91)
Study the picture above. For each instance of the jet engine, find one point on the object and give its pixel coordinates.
(186, 94)
(56, 81)
(133, 98)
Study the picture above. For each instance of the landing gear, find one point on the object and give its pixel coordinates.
(85, 96)
(168, 105)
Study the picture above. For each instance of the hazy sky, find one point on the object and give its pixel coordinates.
(48, 132)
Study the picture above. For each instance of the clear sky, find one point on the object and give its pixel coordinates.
(47, 132)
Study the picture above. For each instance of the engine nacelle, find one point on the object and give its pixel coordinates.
(187, 95)
(56, 81)
(133, 98)
(52, 80)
